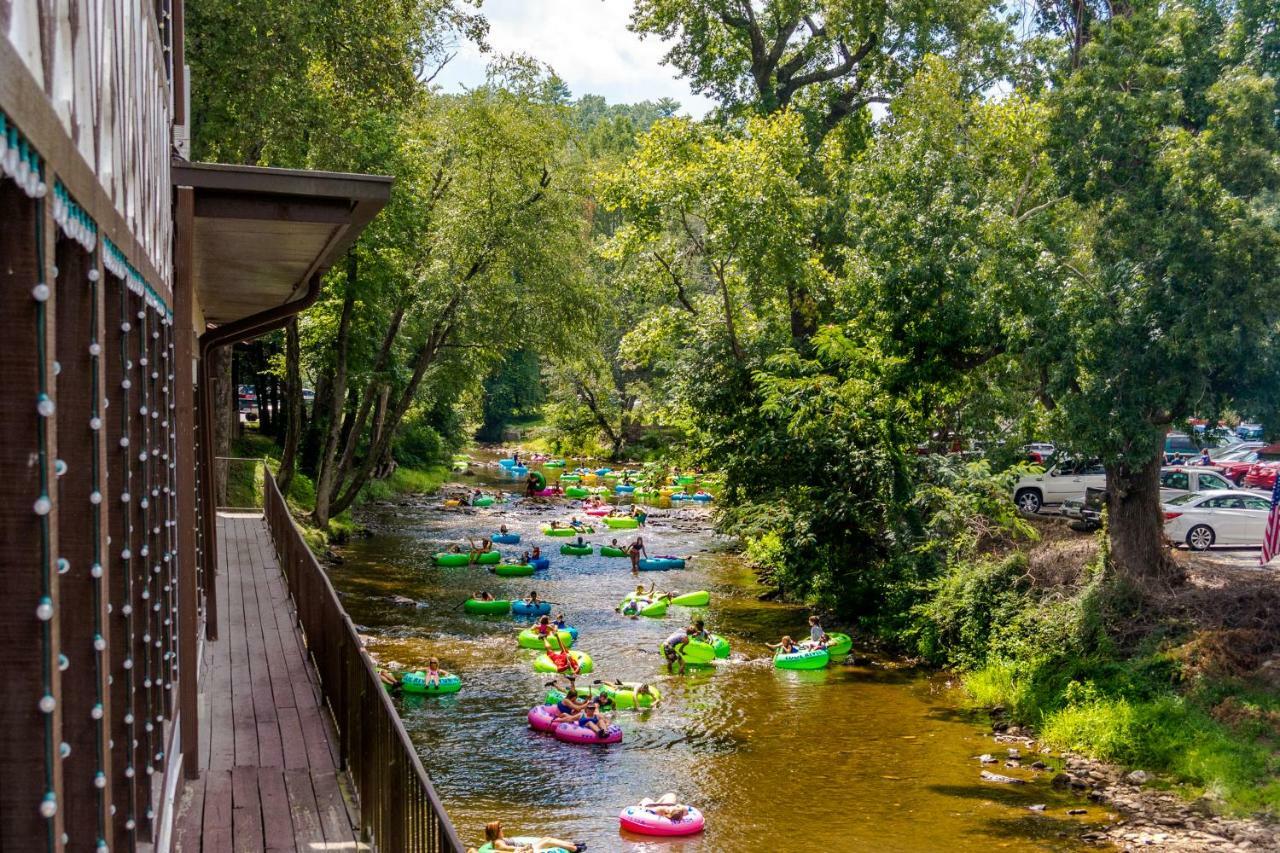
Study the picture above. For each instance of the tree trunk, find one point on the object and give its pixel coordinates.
(225, 416)
(1135, 525)
(326, 478)
(293, 394)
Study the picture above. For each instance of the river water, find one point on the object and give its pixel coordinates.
(871, 757)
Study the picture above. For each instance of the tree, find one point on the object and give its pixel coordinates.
(477, 254)
(1165, 136)
(827, 59)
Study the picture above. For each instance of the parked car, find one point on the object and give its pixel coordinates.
(1180, 442)
(1059, 483)
(1262, 475)
(1183, 479)
(1235, 463)
(1039, 451)
(1249, 432)
(1221, 517)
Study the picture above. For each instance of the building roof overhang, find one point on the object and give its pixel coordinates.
(261, 237)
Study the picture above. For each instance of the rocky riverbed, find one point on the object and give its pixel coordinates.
(1141, 817)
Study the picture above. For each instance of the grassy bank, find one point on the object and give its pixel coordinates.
(244, 488)
(1182, 684)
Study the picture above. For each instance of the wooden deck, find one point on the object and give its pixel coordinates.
(269, 779)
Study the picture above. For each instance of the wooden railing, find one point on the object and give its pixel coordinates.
(399, 808)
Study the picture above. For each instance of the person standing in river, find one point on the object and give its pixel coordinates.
(635, 551)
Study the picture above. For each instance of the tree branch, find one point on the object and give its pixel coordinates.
(677, 281)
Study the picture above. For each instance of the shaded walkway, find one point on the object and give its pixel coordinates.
(269, 778)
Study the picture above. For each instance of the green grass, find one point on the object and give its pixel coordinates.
(1140, 724)
(405, 481)
(244, 483)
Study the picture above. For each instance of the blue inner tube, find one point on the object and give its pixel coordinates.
(541, 564)
(660, 564)
(703, 498)
(518, 470)
(600, 472)
(624, 490)
(506, 463)
(506, 538)
(521, 608)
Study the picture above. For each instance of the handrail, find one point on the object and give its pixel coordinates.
(399, 808)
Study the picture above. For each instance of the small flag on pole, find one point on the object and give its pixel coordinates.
(1271, 539)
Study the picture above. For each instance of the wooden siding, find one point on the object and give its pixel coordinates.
(101, 67)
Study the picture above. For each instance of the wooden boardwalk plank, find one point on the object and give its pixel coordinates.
(306, 813)
(217, 811)
(277, 822)
(186, 836)
(246, 813)
(267, 753)
(335, 822)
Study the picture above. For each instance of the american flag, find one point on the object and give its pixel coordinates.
(1271, 539)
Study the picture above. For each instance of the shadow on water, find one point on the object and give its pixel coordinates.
(854, 757)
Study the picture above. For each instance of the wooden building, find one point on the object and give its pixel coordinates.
(122, 267)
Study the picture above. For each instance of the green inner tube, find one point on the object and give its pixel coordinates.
(450, 559)
(531, 639)
(655, 609)
(576, 492)
(488, 558)
(812, 659)
(543, 663)
(576, 550)
(570, 478)
(513, 570)
(416, 682)
(610, 551)
(721, 645)
(701, 598)
(559, 531)
(476, 607)
(539, 481)
(554, 463)
(839, 645)
(698, 653)
(624, 697)
(624, 522)
(686, 479)
(484, 501)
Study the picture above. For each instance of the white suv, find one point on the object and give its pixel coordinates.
(1059, 483)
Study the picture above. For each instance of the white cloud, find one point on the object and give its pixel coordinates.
(587, 43)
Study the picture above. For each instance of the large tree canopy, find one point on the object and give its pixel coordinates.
(825, 58)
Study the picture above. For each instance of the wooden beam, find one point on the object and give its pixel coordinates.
(220, 204)
(184, 386)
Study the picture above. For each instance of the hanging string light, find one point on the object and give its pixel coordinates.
(126, 551)
(43, 504)
(100, 664)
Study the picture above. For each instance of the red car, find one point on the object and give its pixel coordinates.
(1262, 475)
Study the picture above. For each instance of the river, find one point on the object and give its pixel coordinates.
(855, 757)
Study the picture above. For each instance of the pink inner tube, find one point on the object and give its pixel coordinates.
(574, 733)
(549, 492)
(645, 822)
(600, 511)
(543, 717)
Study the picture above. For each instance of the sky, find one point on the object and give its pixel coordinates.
(587, 43)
